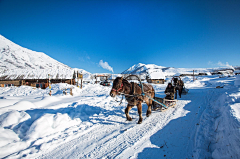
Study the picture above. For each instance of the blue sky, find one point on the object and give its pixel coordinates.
(118, 34)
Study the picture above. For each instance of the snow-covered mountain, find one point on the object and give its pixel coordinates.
(145, 69)
(142, 68)
(14, 56)
(19, 62)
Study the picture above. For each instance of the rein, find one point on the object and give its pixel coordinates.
(119, 101)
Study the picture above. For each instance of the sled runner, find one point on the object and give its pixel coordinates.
(167, 102)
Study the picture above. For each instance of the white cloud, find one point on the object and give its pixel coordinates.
(225, 65)
(221, 64)
(105, 65)
(210, 63)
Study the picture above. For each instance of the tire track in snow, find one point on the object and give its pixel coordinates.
(110, 141)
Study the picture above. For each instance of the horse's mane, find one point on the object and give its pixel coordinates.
(124, 81)
(181, 82)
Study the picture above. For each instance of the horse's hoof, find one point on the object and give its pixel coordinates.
(148, 113)
(140, 121)
(129, 119)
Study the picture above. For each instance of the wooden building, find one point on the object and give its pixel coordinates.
(8, 83)
(38, 83)
(101, 77)
(156, 77)
(156, 81)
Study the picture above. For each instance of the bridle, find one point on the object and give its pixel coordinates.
(118, 88)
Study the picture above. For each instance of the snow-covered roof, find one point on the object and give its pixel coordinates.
(226, 72)
(156, 75)
(42, 74)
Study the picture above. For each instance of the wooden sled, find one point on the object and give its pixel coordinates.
(167, 102)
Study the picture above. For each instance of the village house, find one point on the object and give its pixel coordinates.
(157, 77)
(38, 83)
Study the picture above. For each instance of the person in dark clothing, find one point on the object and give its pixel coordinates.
(169, 91)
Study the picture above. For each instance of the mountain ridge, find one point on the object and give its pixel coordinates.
(14, 56)
(17, 62)
(144, 70)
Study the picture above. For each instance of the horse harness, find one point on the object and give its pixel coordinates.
(132, 96)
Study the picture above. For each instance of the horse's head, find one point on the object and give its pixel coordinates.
(175, 80)
(117, 86)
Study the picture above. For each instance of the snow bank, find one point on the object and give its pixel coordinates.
(21, 91)
(13, 118)
(7, 136)
(50, 124)
(226, 143)
(237, 80)
(235, 110)
(6, 102)
(46, 101)
(21, 105)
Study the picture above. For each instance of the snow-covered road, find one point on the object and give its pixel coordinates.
(91, 124)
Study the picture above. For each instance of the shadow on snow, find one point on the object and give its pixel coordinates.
(176, 139)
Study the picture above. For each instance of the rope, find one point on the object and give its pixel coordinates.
(119, 101)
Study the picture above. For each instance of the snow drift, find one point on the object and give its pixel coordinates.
(90, 124)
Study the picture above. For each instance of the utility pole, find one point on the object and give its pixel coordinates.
(81, 82)
(80, 76)
(50, 92)
(193, 75)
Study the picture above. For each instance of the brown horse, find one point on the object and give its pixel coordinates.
(178, 85)
(133, 95)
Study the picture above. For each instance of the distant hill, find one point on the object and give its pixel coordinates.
(144, 69)
(17, 62)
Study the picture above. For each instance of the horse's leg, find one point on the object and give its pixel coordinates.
(152, 102)
(129, 107)
(176, 93)
(180, 92)
(139, 106)
(149, 103)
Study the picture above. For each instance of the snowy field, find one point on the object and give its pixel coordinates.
(205, 123)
